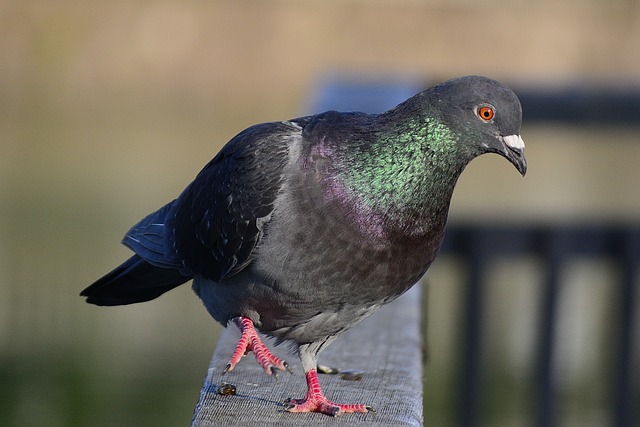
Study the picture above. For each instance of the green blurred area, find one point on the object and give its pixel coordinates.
(107, 110)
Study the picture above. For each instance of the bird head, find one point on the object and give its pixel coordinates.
(486, 113)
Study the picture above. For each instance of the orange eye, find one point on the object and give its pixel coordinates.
(486, 113)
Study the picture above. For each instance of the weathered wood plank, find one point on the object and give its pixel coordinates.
(386, 347)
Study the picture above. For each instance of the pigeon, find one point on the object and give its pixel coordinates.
(300, 229)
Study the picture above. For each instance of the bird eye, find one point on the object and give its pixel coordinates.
(486, 113)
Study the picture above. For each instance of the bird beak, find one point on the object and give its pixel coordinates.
(514, 152)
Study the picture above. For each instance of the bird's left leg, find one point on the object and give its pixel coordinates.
(250, 341)
(314, 400)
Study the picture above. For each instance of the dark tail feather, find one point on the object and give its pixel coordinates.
(134, 281)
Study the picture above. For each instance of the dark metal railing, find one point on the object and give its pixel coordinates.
(555, 245)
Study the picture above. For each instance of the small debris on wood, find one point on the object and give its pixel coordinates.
(226, 389)
(346, 374)
(351, 375)
(323, 369)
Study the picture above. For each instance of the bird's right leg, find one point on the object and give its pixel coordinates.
(250, 341)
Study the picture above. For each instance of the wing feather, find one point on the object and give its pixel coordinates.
(219, 219)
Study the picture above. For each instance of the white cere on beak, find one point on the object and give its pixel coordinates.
(514, 141)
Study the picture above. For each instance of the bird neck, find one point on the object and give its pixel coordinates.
(400, 181)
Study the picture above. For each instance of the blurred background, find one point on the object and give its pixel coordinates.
(109, 109)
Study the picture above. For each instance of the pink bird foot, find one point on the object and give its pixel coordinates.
(315, 401)
(250, 341)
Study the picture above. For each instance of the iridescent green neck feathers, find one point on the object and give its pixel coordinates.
(402, 178)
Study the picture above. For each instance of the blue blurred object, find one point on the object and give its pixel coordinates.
(373, 94)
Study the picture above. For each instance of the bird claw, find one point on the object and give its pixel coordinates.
(250, 341)
(324, 406)
(302, 405)
(274, 372)
(315, 401)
